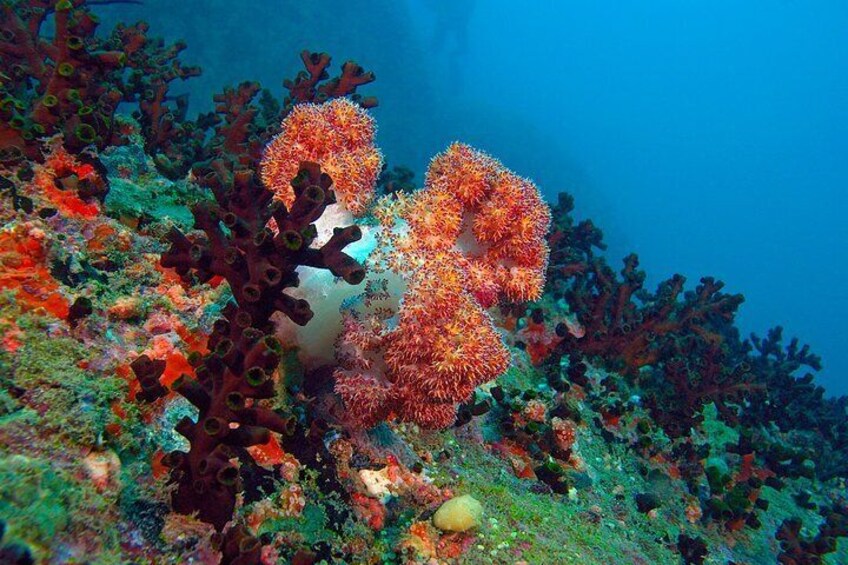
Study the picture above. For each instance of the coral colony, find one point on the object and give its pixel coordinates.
(242, 338)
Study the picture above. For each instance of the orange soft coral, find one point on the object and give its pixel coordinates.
(339, 136)
(474, 235)
(496, 219)
(443, 346)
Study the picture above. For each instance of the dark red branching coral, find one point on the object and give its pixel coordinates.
(617, 320)
(153, 66)
(314, 84)
(259, 264)
(623, 324)
(699, 372)
(59, 84)
(72, 82)
(572, 243)
(797, 550)
(795, 404)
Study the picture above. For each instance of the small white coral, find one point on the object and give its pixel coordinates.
(377, 483)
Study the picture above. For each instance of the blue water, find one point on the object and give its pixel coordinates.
(709, 137)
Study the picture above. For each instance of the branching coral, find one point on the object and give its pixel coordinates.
(312, 84)
(72, 82)
(259, 266)
(572, 243)
(697, 373)
(624, 324)
(58, 84)
(153, 66)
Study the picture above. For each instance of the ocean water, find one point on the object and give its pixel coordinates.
(289, 326)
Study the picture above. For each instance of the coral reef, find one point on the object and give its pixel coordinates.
(72, 82)
(797, 550)
(443, 343)
(477, 385)
(339, 136)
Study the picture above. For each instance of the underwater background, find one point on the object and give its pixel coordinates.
(709, 137)
(383, 304)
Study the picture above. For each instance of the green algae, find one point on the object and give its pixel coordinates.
(138, 193)
(72, 403)
(718, 434)
(34, 500)
(542, 527)
(45, 505)
(137, 201)
(310, 527)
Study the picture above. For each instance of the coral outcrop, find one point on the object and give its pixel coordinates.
(338, 135)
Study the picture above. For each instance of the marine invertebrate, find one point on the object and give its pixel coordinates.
(72, 81)
(628, 326)
(312, 84)
(443, 346)
(25, 271)
(459, 514)
(494, 219)
(237, 373)
(169, 138)
(696, 373)
(457, 260)
(572, 243)
(798, 550)
(338, 135)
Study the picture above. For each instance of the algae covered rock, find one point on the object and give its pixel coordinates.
(459, 514)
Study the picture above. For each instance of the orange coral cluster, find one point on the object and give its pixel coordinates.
(339, 136)
(443, 346)
(496, 221)
(59, 164)
(476, 235)
(24, 270)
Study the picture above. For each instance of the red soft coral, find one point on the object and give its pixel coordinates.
(473, 236)
(339, 136)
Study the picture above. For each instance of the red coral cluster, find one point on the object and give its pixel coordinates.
(338, 135)
(495, 219)
(443, 346)
(458, 259)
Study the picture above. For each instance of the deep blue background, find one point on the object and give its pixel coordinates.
(709, 137)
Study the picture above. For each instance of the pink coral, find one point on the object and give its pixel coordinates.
(442, 347)
(497, 220)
